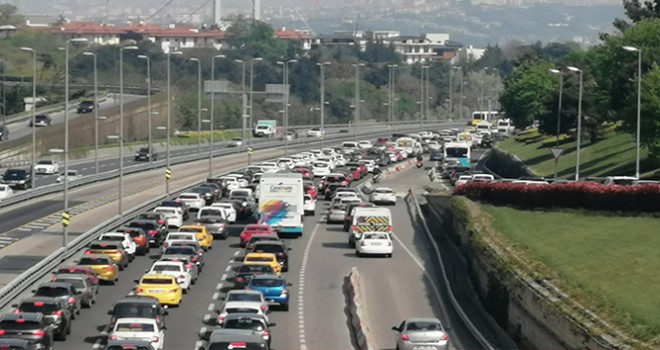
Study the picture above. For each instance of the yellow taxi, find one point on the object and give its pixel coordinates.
(162, 287)
(102, 265)
(263, 258)
(201, 233)
(112, 249)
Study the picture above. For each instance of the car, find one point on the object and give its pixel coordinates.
(102, 265)
(233, 307)
(40, 120)
(4, 133)
(131, 344)
(222, 338)
(272, 236)
(91, 276)
(263, 258)
(309, 205)
(194, 201)
(160, 286)
(55, 311)
(340, 195)
(31, 326)
(71, 175)
(86, 107)
(83, 287)
(251, 229)
(235, 142)
(177, 204)
(126, 241)
(46, 166)
(305, 172)
(203, 236)
(374, 243)
(173, 215)
(383, 195)
(186, 237)
(139, 328)
(217, 226)
(159, 218)
(62, 291)
(290, 135)
(320, 168)
(207, 193)
(229, 210)
(5, 192)
(350, 211)
(17, 178)
(274, 288)
(315, 132)
(274, 247)
(153, 228)
(285, 163)
(138, 306)
(140, 238)
(415, 333)
(146, 154)
(176, 269)
(189, 251)
(364, 144)
(256, 323)
(244, 272)
(111, 249)
(246, 295)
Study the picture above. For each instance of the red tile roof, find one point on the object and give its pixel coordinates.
(87, 28)
(288, 34)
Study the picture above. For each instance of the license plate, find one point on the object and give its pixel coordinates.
(155, 291)
(424, 347)
(376, 243)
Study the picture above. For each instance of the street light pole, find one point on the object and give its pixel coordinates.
(460, 101)
(251, 98)
(356, 111)
(96, 111)
(579, 124)
(639, 105)
(150, 143)
(243, 98)
(561, 92)
(322, 81)
(168, 128)
(199, 103)
(34, 113)
(121, 127)
(451, 92)
(212, 111)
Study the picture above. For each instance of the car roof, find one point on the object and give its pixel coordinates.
(140, 299)
(55, 284)
(30, 316)
(268, 276)
(423, 319)
(243, 303)
(136, 320)
(96, 257)
(246, 315)
(235, 335)
(53, 300)
(279, 242)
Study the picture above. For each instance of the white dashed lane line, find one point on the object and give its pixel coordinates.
(301, 291)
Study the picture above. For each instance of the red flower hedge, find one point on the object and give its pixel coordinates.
(579, 195)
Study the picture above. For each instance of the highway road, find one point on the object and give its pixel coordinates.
(22, 128)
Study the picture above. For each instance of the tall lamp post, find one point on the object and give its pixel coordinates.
(322, 102)
(213, 109)
(208, 121)
(639, 104)
(169, 114)
(356, 111)
(579, 123)
(199, 103)
(561, 92)
(423, 95)
(256, 59)
(121, 126)
(96, 109)
(34, 112)
(243, 98)
(150, 141)
(121, 182)
(390, 103)
(285, 101)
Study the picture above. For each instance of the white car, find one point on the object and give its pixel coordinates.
(328, 160)
(176, 269)
(383, 195)
(482, 178)
(135, 328)
(46, 166)
(183, 237)
(315, 153)
(433, 145)
(340, 160)
(344, 194)
(403, 152)
(229, 209)
(239, 177)
(299, 161)
(269, 167)
(72, 175)
(285, 163)
(230, 307)
(5, 192)
(320, 168)
(462, 179)
(309, 205)
(194, 201)
(315, 132)
(126, 241)
(370, 164)
(246, 295)
(213, 211)
(364, 144)
(174, 216)
(235, 142)
(372, 243)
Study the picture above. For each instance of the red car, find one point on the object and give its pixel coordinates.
(252, 229)
(337, 178)
(355, 172)
(78, 270)
(306, 173)
(311, 190)
(399, 156)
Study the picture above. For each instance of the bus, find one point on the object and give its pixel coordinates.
(458, 151)
(487, 116)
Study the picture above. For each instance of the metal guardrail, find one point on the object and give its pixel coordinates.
(457, 306)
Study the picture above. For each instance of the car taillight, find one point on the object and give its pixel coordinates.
(113, 337)
(220, 319)
(404, 337)
(57, 313)
(109, 267)
(240, 279)
(3, 332)
(263, 307)
(152, 232)
(444, 336)
(71, 300)
(166, 244)
(189, 266)
(265, 334)
(161, 222)
(389, 228)
(281, 254)
(88, 252)
(354, 227)
(155, 339)
(16, 311)
(139, 290)
(173, 290)
(39, 333)
(194, 259)
(181, 277)
(285, 291)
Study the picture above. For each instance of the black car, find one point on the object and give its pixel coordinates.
(146, 154)
(155, 232)
(4, 133)
(177, 204)
(241, 211)
(41, 120)
(17, 344)
(207, 193)
(436, 156)
(330, 190)
(62, 291)
(274, 247)
(86, 107)
(138, 306)
(32, 326)
(55, 310)
(245, 272)
(17, 178)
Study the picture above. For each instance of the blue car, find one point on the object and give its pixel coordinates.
(274, 288)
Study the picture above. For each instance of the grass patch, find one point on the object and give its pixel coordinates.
(611, 262)
(613, 155)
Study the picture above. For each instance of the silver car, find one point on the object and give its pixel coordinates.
(337, 212)
(421, 333)
(216, 225)
(83, 287)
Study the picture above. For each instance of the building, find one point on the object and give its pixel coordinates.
(424, 48)
(302, 36)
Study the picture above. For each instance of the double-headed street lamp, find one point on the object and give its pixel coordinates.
(150, 144)
(256, 59)
(356, 115)
(322, 104)
(579, 123)
(285, 101)
(169, 114)
(199, 103)
(34, 112)
(639, 103)
(96, 109)
(121, 122)
(212, 110)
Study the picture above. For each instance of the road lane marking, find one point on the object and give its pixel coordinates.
(216, 296)
(211, 307)
(224, 277)
(218, 286)
(301, 290)
(237, 252)
(228, 268)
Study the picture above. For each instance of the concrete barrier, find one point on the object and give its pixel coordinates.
(363, 337)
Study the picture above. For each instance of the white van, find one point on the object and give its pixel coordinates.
(376, 219)
(350, 146)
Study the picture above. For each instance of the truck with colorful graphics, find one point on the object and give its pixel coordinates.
(375, 219)
(281, 199)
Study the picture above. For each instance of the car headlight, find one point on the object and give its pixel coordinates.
(21, 181)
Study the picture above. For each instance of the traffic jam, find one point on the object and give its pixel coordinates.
(267, 202)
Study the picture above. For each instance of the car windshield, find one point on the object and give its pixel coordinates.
(161, 281)
(182, 237)
(103, 246)
(268, 248)
(94, 261)
(375, 236)
(258, 259)
(75, 282)
(14, 325)
(38, 306)
(134, 327)
(167, 267)
(243, 297)
(423, 326)
(255, 269)
(46, 162)
(127, 347)
(383, 191)
(135, 310)
(51, 292)
(244, 323)
(180, 251)
(243, 310)
(266, 282)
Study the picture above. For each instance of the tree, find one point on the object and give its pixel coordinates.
(9, 15)
(650, 126)
(637, 11)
